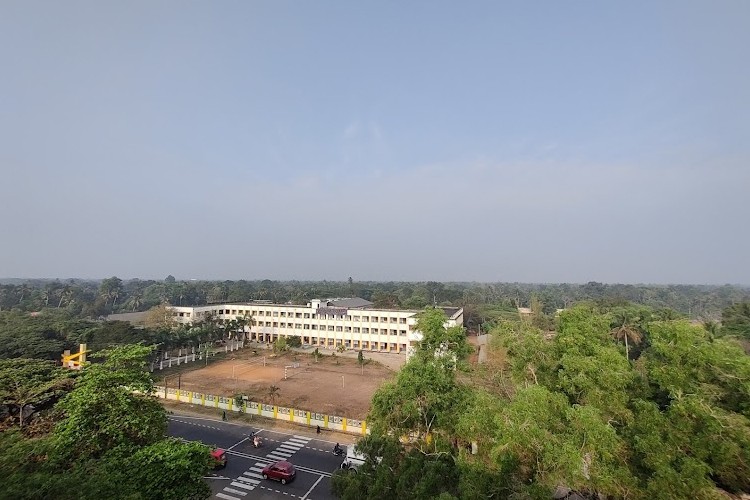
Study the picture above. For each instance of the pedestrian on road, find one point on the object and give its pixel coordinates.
(318, 430)
(224, 415)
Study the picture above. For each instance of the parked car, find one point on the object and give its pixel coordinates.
(280, 471)
(220, 458)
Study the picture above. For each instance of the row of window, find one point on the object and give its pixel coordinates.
(349, 344)
(284, 314)
(332, 328)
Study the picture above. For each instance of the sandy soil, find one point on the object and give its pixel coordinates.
(333, 385)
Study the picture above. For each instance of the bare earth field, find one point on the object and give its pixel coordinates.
(333, 386)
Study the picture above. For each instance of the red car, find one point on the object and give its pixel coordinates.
(220, 458)
(280, 471)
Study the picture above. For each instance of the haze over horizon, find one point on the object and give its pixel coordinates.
(514, 142)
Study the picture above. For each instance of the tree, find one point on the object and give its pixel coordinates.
(160, 317)
(31, 383)
(273, 393)
(100, 413)
(735, 320)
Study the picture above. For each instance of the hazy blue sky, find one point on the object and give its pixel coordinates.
(490, 141)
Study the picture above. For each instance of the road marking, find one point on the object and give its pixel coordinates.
(284, 446)
(303, 497)
(283, 453)
(276, 457)
(243, 485)
(256, 469)
(250, 479)
(236, 492)
(226, 497)
(239, 443)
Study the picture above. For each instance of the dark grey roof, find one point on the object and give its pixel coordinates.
(352, 303)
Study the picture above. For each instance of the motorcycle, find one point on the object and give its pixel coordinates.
(338, 450)
(257, 443)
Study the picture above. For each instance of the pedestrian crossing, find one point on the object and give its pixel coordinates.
(250, 479)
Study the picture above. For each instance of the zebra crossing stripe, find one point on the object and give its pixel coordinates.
(226, 497)
(243, 485)
(236, 492)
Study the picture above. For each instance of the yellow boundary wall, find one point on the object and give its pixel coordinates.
(301, 417)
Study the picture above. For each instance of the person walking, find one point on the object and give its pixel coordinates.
(318, 431)
(224, 415)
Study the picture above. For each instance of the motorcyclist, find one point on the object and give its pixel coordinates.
(337, 449)
(256, 441)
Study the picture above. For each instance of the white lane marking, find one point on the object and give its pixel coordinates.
(290, 446)
(256, 469)
(276, 457)
(247, 480)
(302, 438)
(237, 444)
(303, 497)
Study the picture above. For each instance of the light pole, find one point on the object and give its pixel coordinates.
(342, 381)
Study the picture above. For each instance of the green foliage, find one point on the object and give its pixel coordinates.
(735, 320)
(280, 345)
(31, 383)
(171, 470)
(103, 412)
(294, 341)
(108, 442)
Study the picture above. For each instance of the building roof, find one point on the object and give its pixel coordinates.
(350, 303)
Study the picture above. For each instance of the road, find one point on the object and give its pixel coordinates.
(312, 458)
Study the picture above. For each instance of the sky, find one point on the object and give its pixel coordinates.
(513, 141)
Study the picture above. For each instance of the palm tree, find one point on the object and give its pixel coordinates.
(273, 393)
(625, 329)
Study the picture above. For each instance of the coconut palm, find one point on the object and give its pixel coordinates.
(625, 329)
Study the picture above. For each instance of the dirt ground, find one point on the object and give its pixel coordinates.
(332, 385)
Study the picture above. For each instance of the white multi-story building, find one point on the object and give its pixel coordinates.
(352, 323)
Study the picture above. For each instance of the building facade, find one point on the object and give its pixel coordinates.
(353, 323)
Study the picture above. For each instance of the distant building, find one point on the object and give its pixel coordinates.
(525, 312)
(351, 322)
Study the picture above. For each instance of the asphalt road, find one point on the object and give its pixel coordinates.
(241, 478)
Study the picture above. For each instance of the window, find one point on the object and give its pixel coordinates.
(356, 329)
(283, 314)
(307, 327)
(365, 330)
(314, 327)
(338, 328)
(365, 318)
(356, 344)
(330, 328)
(384, 320)
(276, 313)
(356, 318)
(298, 326)
(275, 323)
(307, 315)
(268, 323)
(348, 329)
(348, 318)
(298, 315)
(402, 332)
(393, 332)
(374, 319)
(402, 321)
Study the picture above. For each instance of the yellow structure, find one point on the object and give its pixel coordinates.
(75, 361)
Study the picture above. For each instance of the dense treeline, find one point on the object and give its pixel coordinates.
(100, 298)
(617, 403)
